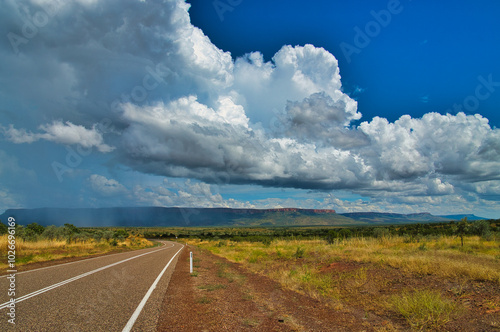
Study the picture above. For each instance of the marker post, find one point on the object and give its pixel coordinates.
(191, 262)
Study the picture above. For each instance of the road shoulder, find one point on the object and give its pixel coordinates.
(221, 295)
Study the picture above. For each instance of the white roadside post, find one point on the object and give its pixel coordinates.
(191, 262)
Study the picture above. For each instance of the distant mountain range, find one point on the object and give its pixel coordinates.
(191, 217)
(470, 217)
(396, 218)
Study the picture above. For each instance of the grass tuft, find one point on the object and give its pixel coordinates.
(211, 288)
(424, 309)
(204, 300)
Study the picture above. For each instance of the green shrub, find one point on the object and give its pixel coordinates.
(120, 234)
(256, 255)
(3, 228)
(267, 241)
(299, 253)
(381, 232)
(482, 228)
(221, 244)
(422, 247)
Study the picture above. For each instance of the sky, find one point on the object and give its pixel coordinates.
(387, 106)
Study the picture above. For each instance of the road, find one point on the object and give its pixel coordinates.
(120, 292)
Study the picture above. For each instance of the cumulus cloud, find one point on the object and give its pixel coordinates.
(320, 119)
(293, 74)
(448, 144)
(182, 107)
(188, 139)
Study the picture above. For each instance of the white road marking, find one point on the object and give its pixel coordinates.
(67, 281)
(78, 261)
(141, 305)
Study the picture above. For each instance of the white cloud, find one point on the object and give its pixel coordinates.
(453, 145)
(18, 136)
(295, 73)
(437, 187)
(187, 194)
(106, 187)
(62, 133)
(188, 139)
(9, 200)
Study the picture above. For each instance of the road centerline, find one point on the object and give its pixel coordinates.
(84, 260)
(67, 281)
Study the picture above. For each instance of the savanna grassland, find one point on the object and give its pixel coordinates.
(432, 282)
(436, 277)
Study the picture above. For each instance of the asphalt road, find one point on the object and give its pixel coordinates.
(120, 292)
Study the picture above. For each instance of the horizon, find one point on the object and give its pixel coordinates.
(354, 107)
(230, 208)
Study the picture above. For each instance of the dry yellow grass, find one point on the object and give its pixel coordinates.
(478, 260)
(46, 250)
(337, 273)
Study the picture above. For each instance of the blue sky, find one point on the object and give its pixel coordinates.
(355, 106)
(426, 59)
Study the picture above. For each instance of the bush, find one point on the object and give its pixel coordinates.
(344, 233)
(53, 233)
(422, 247)
(299, 253)
(331, 236)
(381, 232)
(121, 234)
(221, 244)
(107, 235)
(70, 231)
(3, 228)
(82, 237)
(30, 233)
(481, 228)
(267, 241)
(256, 255)
(35, 228)
(98, 235)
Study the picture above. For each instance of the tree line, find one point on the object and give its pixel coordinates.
(487, 229)
(71, 234)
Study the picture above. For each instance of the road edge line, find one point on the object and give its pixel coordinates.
(138, 310)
